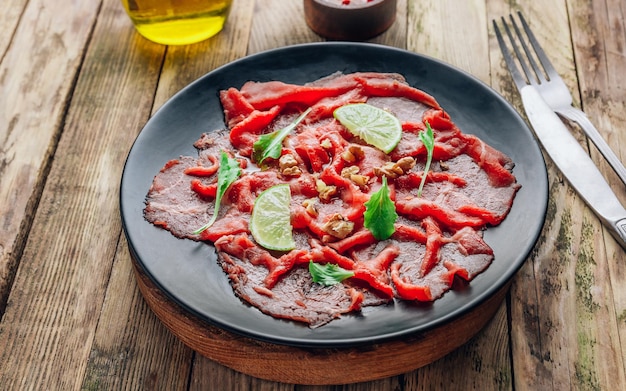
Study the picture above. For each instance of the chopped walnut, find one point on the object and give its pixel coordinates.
(311, 206)
(353, 154)
(392, 170)
(389, 169)
(292, 171)
(406, 163)
(352, 173)
(360, 180)
(338, 226)
(444, 166)
(289, 165)
(287, 160)
(325, 191)
(351, 170)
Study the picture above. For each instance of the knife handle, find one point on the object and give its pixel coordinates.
(573, 161)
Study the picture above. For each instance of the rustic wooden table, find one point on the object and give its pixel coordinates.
(76, 86)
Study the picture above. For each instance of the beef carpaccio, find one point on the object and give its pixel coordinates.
(438, 236)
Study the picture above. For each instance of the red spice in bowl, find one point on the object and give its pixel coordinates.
(350, 20)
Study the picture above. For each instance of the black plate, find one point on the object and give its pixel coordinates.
(188, 272)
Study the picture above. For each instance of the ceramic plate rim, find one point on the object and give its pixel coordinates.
(237, 317)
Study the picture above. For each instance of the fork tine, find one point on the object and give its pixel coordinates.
(530, 76)
(541, 55)
(518, 78)
(537, 75)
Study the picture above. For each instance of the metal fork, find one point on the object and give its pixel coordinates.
(565, 151)
(552, 88)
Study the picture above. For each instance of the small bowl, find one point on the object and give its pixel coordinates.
(349, 20)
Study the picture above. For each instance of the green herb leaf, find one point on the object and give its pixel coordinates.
(228, 173)
(271, 144)
(429, 142)
(328, 274)
(380, 213)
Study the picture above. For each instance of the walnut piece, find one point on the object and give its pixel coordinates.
(392, 170)
(351, 170)
(360, 180)
(338, 226)
(353, 154)
(406, 163)
(352, 173)
(311, 206)
(289, 165)
(325, 191)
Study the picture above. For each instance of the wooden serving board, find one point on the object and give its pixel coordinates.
(314, 366)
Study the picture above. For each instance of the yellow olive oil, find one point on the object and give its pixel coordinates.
(178, 22)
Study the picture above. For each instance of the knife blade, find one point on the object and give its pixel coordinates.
(573, 161)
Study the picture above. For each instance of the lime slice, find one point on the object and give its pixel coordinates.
(270, 223)
(375, 126)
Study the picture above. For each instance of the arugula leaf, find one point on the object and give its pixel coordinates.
(228, 173)
(328, 274)
(429, 142)
(271, 144)
(380, 213)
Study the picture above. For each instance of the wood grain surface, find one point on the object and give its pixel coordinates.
(77, 83)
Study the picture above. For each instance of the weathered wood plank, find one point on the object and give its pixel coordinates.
(599, 36)
(389, 383)
(277, 24)
(481, 364)
(207, 373)
(33, 96)
(131, 348)
(52, 313)
(396, 35)
(452, 31)
(563, 326)
(9, 19)
(135, 350)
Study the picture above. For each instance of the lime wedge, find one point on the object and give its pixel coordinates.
(270, 223)
(375, 126)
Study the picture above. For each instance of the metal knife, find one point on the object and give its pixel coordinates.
(576, 166)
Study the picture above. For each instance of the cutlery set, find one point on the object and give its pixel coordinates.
(547, 100)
